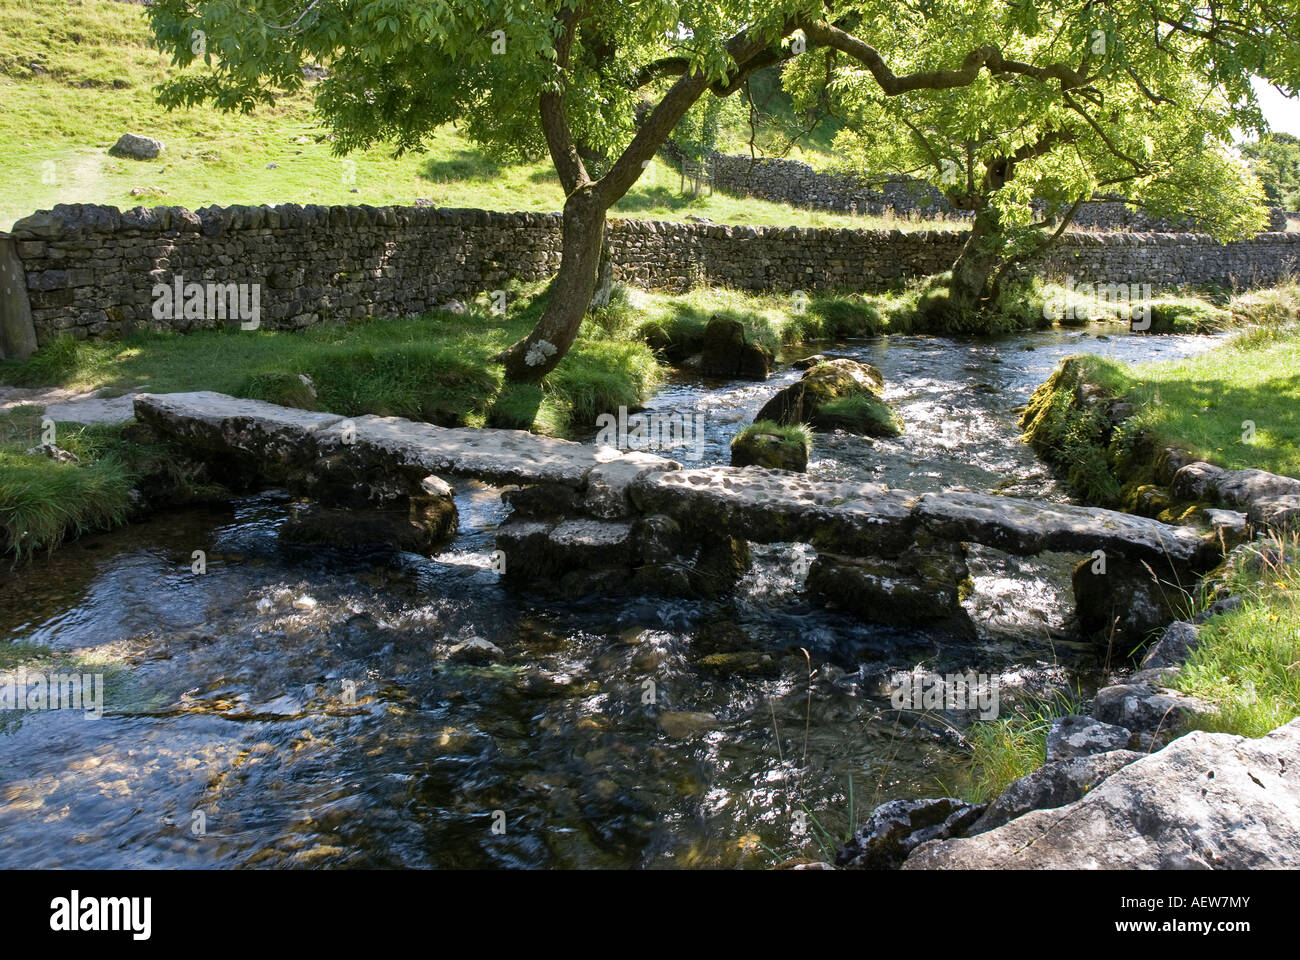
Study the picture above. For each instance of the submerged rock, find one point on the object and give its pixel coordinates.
(684, 724)
(836, 395)
(476, 650)
(1206, 801)
(921, 585)
(897, 828)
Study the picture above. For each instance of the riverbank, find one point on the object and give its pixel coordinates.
(1135, 436)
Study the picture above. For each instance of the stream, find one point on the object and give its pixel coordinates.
(295, 707)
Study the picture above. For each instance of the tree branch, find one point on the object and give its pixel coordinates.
(987, 57)
(555, 123)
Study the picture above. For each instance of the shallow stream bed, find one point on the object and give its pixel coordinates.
(293, 707)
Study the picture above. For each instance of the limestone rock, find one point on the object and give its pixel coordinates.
(755, 446)
(1143, 708)
(898, 827)
(136, 147)
(1173, 647)
(1197, 481)
(1074, 736)
(919, 586)
(1123, 604)
(606, 496)
(476, 650)
(1206, 801)
(1054, 784)
(836, 395)
(1030, 526)
(727, 352)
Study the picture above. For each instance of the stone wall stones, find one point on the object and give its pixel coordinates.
(91, 270)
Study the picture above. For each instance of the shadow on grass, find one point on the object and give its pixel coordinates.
(464, 165)
(656, 198)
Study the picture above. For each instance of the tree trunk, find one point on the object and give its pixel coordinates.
(532, 358)
(973, 271)
(604, 280)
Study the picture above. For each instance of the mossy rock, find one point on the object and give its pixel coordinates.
(771, 445)
(1147, 500)
(865, 414)
(726, 352)
(286, 389)
(836, 395)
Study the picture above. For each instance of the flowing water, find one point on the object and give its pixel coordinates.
(293, 707)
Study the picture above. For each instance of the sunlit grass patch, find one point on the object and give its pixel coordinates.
(1247, 661)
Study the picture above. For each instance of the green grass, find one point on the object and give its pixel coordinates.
(1069, 437)
(1247, 662)
(1235, 406)
(799, 434)
(98, 80)
(43, 501)
(435, 367)
(1011, 747)
(675, 323)
(1206, 403)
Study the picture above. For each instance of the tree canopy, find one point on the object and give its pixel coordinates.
(567, 76)
(1275, 158)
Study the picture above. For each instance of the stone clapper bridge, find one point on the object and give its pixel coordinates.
(591, 518)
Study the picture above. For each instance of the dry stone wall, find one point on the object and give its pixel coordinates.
(93, 270)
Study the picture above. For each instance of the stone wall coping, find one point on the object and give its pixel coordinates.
(66, 220)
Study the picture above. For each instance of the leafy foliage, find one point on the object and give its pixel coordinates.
(1275, 158)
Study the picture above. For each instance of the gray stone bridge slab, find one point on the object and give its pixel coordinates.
(748, 503)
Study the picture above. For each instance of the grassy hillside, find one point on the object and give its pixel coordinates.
(76, 74)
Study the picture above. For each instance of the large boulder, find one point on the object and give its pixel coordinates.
(136, 147)
(1206, 801)
(836, 395)
(727, 352)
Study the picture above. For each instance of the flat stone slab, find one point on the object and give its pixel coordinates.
(495, 456)
(94, 410)
(207, 409)
(775, 506)
(1032, 526)
(751, 503)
